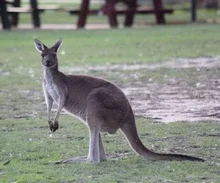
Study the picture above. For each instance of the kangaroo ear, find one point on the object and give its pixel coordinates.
(39, 45)
(57, 44)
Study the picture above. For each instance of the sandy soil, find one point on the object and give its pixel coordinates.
(177, 99)
(174, 100)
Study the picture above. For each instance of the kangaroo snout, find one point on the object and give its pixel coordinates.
(48, 63)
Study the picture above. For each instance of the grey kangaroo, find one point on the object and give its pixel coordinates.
(99, 103)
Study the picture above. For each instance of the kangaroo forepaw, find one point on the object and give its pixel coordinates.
(53, 125)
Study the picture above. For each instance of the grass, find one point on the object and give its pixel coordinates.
(26, 144)
(30, 147)
(124, 45)
(154, 44)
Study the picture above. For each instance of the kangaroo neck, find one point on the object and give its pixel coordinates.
(51, 72)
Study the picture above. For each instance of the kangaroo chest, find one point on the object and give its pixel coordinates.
(53, 89)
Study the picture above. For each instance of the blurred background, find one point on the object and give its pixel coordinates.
(66, 13)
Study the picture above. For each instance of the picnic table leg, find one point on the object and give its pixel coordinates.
(83, 14)
(129, 17)
(35, 13)
(193, 9)
(159, 14)
(111, 12)
(4, 15)
(15, 16)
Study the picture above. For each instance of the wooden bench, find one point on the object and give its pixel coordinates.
(28, 9)
(15, 11)
(141, 11)
(108, 9)
(13, 8)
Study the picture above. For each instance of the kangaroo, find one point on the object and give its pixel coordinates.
(100, 104)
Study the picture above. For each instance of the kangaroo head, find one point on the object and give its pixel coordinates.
(49, 55)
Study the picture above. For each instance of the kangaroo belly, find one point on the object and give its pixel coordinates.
(75, 109)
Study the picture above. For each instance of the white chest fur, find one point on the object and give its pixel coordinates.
(52, 90)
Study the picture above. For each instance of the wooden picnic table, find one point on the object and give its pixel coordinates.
(4, 15)
(108, 9)
(6, 24)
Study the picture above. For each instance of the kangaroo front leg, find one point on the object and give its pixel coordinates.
(56, 123)
(49, 107)
(49, 102)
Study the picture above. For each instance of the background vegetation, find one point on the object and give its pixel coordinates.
(27, 146)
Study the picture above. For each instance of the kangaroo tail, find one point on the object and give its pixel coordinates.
(130, 131)
(177, 157)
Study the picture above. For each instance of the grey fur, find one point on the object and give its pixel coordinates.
(99, 103)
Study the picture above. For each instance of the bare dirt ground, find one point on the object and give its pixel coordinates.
(177, 99)
(173, 103)
(69, 26)
(61, 26)
(193, 96)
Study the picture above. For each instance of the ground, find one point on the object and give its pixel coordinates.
(190, 96)
(169, 74)
(193, 97)
(180, 99)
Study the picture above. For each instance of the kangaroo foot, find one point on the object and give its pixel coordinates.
(75, 160)
(72, 160)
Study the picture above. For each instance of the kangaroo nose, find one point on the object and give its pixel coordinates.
(47, 62)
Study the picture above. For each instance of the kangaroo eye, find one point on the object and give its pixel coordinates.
(54, 55)
(42, 55)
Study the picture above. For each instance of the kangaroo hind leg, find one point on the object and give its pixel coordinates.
(96, 149)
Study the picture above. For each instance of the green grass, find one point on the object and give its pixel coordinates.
(25, 139)
(123, 45)
(30, 148)
(21, 63)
